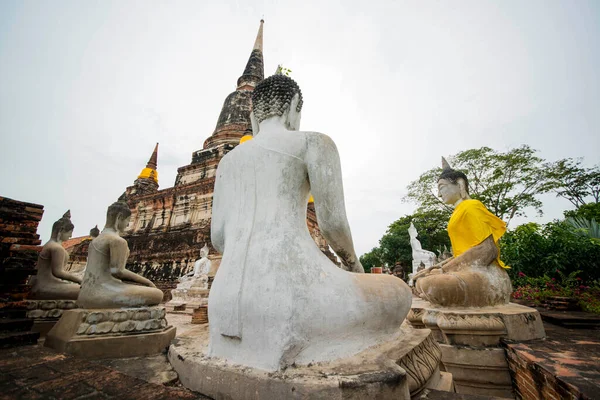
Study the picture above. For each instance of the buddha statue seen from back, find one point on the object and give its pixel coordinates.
(277, 299)
(52, 282)
(474, 276)
(104, 283)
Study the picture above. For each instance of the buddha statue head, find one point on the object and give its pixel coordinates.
(63, 228)
(94, 232)
(453, 186)
(278, 96)
(412, 231)
(204, 251)
(117, 216)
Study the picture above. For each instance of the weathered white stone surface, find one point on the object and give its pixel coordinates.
(277, 299)
(400, 368)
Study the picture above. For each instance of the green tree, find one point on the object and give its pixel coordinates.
(506, 182)
(371, 259)
(395, 247)
(569, 179)
(537, 250)
(590, 211)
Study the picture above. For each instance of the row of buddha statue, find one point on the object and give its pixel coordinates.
(104, 283)
(277, 300)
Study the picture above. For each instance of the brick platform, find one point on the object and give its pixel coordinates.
(35, 372)
(566, 365)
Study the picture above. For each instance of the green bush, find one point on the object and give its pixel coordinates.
(557, 247)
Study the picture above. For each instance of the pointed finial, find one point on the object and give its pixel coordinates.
(445, 164)
(258, 43)
(67, 215)
(153, 161)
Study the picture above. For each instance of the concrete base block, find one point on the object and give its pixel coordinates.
(470, 342)
(46, 313)
(111, 333)
(398, 369)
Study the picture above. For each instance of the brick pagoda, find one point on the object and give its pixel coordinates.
(169, 226)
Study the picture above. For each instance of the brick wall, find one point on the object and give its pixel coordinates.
(533, 382)
(19, 246)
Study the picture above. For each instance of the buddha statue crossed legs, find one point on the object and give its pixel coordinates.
(277, 299)
(475, 276)
(104, 283)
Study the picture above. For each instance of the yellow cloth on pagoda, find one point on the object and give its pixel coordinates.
(470, 224)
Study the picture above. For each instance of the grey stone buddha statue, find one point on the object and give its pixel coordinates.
(52, 282)
(105, 280)
(276, 298)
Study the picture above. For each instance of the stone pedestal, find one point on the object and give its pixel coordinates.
(46, 313)
(188, 296)
(200, 315)
(399, 369)
(470, 342)
(111, 333)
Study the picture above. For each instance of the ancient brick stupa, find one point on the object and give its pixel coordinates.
(169, 226)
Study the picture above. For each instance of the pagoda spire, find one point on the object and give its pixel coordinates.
(153, 161)
(254, 71)
(234, 119)
(150, 172)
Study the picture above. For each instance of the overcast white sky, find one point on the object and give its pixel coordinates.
(88, 87)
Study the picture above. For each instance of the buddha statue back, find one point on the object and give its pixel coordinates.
(277, 299)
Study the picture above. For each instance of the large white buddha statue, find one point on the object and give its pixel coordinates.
(52, 282)
(277, 299)
(474, 276)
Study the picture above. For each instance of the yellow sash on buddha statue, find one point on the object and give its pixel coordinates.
(470, 224)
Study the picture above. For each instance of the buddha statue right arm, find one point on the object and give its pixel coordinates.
(325, 177)
(57, 261)
(118, 259)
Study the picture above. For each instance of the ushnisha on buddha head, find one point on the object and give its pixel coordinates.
(453, 186)
(277, 97)
(63, 228)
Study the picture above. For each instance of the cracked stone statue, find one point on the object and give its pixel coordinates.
(277, 299)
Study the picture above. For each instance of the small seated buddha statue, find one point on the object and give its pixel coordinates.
(277, 299)
(201, 266)
(104, 283)
(474, 276)
(52, 282)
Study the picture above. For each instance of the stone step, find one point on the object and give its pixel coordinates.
(14, 339)
(15, 324)
(571, 319)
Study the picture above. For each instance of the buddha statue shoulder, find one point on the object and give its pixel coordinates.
(52, 282)
(475, 276)
(277, 299)
(105, 280)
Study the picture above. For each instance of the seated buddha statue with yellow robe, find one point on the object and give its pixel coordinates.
(475, 276)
